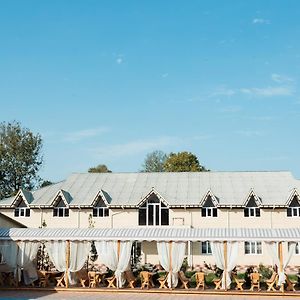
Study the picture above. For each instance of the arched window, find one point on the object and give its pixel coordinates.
(153, 212)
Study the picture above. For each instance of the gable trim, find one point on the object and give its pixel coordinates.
(256, 199)
(153, 191)
(60, 193)
(294, 193)
(214, 199)
(20, 193)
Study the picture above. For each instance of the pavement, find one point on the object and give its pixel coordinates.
(26, 295)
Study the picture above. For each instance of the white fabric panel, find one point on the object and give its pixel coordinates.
(57, 254)
(108, 254)
(177, 255)
(26, 255)
(9, 250)
(79, 252)
(232, 254)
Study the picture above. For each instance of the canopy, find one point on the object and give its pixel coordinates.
(151, 234)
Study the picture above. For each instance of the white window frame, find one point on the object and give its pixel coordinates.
(295, 211)
(160, 208)
(209, 212)
(207, 246)
(103, 209)
(63, 209)
(253, 247)
(250, 211)
(22, 212)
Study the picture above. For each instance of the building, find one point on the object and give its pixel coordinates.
(195, 200)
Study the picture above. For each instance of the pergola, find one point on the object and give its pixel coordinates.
(223, 239)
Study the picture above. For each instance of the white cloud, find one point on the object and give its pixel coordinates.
(281, 78)
(270, 91)
(261, 21)
(79, 135)
(222, 91)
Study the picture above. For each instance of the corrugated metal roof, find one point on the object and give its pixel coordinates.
(151, 234)
(178, 189)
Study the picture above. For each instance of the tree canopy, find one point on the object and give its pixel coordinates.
(154, 161)
(20, 158)
(183, 162)
(99, 169)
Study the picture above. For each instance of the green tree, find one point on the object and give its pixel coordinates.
(20, 158)
(99, 169)
(154, 161)
(183, 162)
(46, 183)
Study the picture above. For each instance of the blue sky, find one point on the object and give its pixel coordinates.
(110, 81)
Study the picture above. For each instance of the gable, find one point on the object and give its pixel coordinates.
(100, 203)
(295, 202)
(208, 202)
(251, 202)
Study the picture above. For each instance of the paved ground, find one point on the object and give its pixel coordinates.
(22, 295)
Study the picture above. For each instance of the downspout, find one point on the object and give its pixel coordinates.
(78, 217)
(41, 211)
(114, 214)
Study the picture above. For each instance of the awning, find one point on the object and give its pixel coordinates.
(151, 234)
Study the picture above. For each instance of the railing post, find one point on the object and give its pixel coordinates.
(280, 263)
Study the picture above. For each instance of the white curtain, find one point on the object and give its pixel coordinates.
(232, 254)
(177, 255)
(9, 251)
(108, 253)
(57, 254)
(272, 248)
(27, 253)
(79, 252)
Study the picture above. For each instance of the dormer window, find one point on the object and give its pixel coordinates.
(100, 209)
(251, 209)
(294, 209)
(153, 212)
(60, 209)
(209, 209)
(21, 208)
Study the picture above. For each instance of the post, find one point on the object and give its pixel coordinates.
(118, 253)
(170, 260)
(189, 254)
(280, 263)
(67, 263)
(225, 264)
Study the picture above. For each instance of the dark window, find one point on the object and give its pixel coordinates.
(251, 212)
(142, 216)
(164, 216)
(60, 212)
(100, 212)
(209, 212)
(22, 212)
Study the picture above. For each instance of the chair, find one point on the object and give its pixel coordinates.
(271, 282)
(145, 279)
(163, 282)
(43, 279)
(60, 280)
(217, 282)
(130, 279)
(290, 284)
(184, 280)
(239, 282)
(200, 280)
(255, 281)
(93, 279)
(111, 281)
(83, 277)
(12, 280)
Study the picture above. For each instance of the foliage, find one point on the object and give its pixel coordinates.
(183, 162)
(265, 272)
(184, 265)
(154, 161)
(99, 169)
(20, 158)
(46, 183)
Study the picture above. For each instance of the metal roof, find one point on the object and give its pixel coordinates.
(151, 234)
(178, 189)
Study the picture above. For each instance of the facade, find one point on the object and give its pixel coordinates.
(193, 200)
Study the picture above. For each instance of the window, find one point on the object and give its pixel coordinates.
(100, 212)
(296, 248)
(60, 210)
(206, 248)
(22, 212)
(251, 212)
(153, 212)
(294, 209)
(253, 248)
(209, 212)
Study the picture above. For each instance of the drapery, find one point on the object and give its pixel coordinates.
(177, 257)
(108, 252)
(20, 255)
(232, 254)
(27, 252)
(78, 255)
(272, 248)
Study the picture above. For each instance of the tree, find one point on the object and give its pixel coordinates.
(20, 158)
(154, 161)
(46, 183)
(99, 169)
(183, 162)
